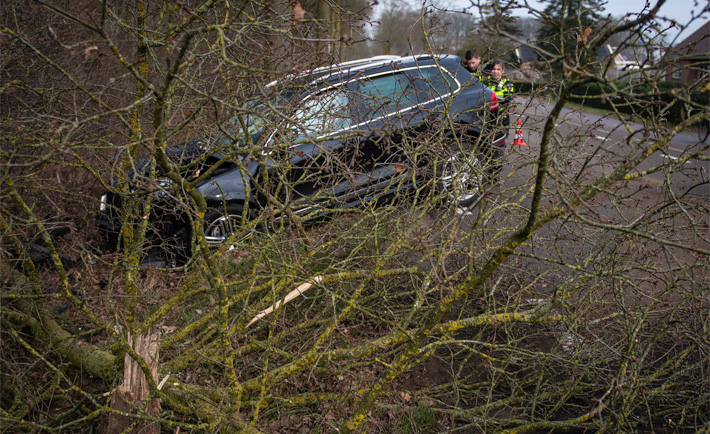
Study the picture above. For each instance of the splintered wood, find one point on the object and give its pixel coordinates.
(290, 296)
(130, 396)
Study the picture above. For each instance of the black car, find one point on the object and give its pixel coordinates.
(327, 139)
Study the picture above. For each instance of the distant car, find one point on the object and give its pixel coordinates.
(329, 139)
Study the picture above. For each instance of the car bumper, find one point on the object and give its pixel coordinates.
(162, 227)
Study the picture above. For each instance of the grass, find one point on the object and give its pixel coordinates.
(419, 419)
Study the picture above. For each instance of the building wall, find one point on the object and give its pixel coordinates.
(683, 73)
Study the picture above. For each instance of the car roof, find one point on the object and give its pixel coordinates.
(340, 70)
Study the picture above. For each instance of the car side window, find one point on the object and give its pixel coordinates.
(388, 93)
(436, 82)
(322, 113)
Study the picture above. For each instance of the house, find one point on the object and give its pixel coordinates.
(618, 59)
(526, 59)
(622, 64)
(690, 59)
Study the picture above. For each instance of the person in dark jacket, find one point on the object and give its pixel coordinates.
(472, 62)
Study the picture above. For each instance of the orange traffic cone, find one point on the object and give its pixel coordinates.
(519, 135)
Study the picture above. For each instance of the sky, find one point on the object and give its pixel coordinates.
(679, 10)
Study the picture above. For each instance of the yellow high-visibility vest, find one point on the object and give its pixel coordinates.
(503, 89)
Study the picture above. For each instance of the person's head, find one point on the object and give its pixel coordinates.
(471, 60)
(495, 70)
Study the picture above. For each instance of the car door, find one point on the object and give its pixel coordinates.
(395, 112)
(313, 144)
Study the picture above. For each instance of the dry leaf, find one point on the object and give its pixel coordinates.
(405, 396)
(585, 34)
(298, 12)
(168, 329)
(88, 51)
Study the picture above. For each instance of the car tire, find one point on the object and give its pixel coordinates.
(224, 222)
(460, 175)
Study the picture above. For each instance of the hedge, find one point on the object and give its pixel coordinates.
(598, 96)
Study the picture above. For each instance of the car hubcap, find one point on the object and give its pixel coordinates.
(461, 177)
(219, 230)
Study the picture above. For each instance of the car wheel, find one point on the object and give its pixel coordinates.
(223, 223)
(461, 177)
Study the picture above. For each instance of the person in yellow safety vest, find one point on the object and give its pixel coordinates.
(493, 78)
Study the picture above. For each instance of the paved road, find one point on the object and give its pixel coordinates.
(586, 147)
(607, 137)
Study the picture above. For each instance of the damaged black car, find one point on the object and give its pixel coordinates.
(317, 142)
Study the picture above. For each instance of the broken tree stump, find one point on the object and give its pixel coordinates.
(130, 396)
